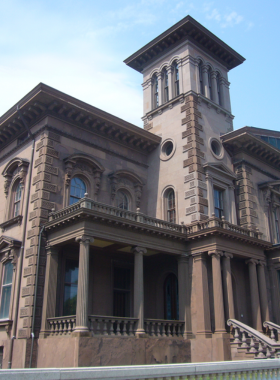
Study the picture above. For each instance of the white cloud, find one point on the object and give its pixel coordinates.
(231, 19)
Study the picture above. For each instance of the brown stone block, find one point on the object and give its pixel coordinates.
(23, 333)
(148, 126)
(168, 350)
(191, 98)
(203, 201)
(46, 186)
(50, 135)
(27, 291)
(25, 312)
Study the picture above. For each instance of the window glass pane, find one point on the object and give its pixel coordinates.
(18, 193)
(122, 200)
(278, 143)
(264, 138)
(8, 273)
(70, 287)
(5, 301)
(77, 190)
(272, 141)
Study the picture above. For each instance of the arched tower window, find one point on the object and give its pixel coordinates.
(171, 304)
(170, 206)
(77, 190)
(122, 200)
(155, 91)
(17, 198)
(210, 83)
(165, 84)
(176, 79)
(218, 88)
(201, 89)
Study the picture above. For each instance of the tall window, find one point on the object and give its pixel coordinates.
(17, 199)
(166, 87)
(171, 211)
(122, 286)
(70, 286)
(6, 290)
(171, 302)
(77, 190)
(218, 203)
(122, 200)
(219, 88)
(210, 84)
(155, 91)
(201, 89)
(176, 79)
(276, 221)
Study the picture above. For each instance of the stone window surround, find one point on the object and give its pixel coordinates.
(271, 198)
(15, 172)
(164, 203)
(85, 167)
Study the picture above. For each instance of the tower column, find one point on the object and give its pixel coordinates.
(159, 77)
(210, 195)
(254, 290)
(218, 291)
(205, 81)
(214, 86)
(180, 68)
(170, 83)
(81, 328)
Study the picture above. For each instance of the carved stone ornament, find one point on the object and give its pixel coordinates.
(15, 167)
(97, 180)
(114, 181)
(129, 180)
(7, 182)
(10, 256)
(267, 196)
(138, 194)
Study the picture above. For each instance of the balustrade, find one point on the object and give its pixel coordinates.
(251, 341)
(115, 326)
(62, 325)
(164, 328)
(273, 330)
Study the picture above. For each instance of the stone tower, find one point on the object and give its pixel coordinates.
(187, 104)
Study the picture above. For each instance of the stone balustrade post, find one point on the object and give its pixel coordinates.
(184, 294)
(50, 288)
(139, 288)
(202, 296)
(228, 292)
(218, 291)
(81, 328)
(263, 291)
(254, 292)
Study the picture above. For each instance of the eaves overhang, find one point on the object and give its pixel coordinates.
(44, 100)
(253, 145)
(184, 30)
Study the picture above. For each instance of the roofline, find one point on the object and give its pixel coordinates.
(175, 28)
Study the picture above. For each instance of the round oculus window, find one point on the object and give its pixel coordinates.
(167, 149)
(216, 148)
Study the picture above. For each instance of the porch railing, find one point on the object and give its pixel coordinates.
(114, 326)
(164, 328)
(103, 208)
(273, 330)
(62, 325)
(251, 341)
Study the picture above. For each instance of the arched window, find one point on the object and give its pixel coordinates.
(218, 88)
(165, 86)
(155, 91)
(210, 83)
(170, 206)
(6, 289)
(77, 190)
(176, 79)
(122, 200)
(17, 199)
(201, 89)
(171, 302)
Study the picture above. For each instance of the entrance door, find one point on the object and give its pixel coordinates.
(171, 303)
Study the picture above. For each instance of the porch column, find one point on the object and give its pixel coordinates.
(139, 288)
(263, 291)
(184, 294)
(218, 291)
(202, 296)
(81, 328)
(50, 288)
(228, 293)
(254, 291)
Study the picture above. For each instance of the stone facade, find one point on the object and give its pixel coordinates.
(123, 245)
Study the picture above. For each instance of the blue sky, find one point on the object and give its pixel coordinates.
(78, 47)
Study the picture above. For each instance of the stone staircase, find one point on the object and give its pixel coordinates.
(248, 343)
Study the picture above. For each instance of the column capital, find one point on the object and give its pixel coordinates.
(197, 256)
(137, 250)
(213, 74)
(262, 263)
(208, 177)
(159, 75)
(251, 261)
(205, 68)
(51, 250)
(216, 253)
(228, 255)
(183, 259)
(84, 239)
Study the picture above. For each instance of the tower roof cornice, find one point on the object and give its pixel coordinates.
(187, 29)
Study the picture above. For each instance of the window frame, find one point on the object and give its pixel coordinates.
(165, 83)
(127, 195)
(221, 193)
(70, 187)
(166, 209)
(176, 78)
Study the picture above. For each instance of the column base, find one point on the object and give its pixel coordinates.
(188, 335)
(203, 334)
(141, 334)
(80, 331)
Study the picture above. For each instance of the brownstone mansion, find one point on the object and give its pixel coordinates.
(123, 245)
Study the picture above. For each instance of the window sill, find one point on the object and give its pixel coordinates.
(16, 220)
(7, 323)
